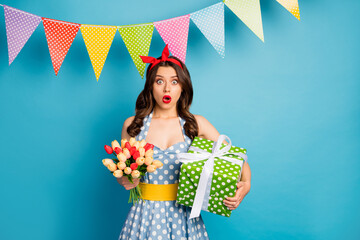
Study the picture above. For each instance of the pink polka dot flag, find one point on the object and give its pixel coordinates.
(20, 26)
(59, 36)
(174, 32)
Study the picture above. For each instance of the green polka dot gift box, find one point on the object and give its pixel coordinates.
(209, 173)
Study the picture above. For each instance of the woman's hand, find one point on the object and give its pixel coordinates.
(127, 184)
(243, 188)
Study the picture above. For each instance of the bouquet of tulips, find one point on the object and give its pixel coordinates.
(133, 160)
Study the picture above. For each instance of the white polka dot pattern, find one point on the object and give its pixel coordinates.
(98, 40)
(174, 32)
(225, 177)
(292, 6)
(20, 26)
(59, 36)
(249, 12)
(137, 40)
(163, 219)
(210, 21)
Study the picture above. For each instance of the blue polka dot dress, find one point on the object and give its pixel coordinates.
(163, 219)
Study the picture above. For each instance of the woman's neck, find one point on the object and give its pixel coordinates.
(164, 113)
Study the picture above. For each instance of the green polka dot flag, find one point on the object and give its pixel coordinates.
(137, 39)
(225, 177)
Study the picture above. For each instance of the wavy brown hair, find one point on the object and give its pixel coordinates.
(145, 102)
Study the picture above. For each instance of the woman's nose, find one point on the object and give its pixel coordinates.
(166, 87)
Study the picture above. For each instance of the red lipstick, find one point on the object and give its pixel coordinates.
(166, 99)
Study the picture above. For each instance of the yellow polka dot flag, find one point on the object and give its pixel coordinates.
(292, 6)
(98, 40)
(249, 12)
(137, 39)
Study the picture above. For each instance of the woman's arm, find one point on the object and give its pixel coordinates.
(208, 131)
(124, 135)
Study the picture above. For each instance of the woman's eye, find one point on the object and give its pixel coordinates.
(174, 81)
(159, 81)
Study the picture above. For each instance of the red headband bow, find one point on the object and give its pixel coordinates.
(164, 57)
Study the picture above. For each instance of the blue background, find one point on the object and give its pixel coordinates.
(292, 101)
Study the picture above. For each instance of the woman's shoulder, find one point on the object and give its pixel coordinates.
(206, 129)
(128, 121)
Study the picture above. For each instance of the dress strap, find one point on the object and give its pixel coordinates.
(145, 128)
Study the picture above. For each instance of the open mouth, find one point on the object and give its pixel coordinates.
(166, 99)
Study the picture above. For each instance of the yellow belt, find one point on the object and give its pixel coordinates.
(159, 192)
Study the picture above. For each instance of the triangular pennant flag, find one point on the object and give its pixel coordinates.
(292, 6)
(59, 36)
(137, 39)
(98, 40)
(210, 21)
(249, 12)
(174, 32)
(20, 26)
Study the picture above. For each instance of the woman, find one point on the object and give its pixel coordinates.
(163, 119)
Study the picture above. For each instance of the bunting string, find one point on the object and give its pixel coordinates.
(98, 39)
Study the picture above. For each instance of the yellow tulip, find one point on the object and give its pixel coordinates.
(127, 153)
(142, 151)
(121, 157)
(135, 174)
(118, 173)
(127, 170)
(140, 161)
(142, 143)
(112, 167)
(121, 165)
(149, 153)
(148, 160)
(137, 145)
(151, 168)
(115, 144)
(157, 163)
(132, 141)
(123, 141)
(107, 161)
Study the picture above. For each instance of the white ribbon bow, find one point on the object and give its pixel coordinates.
(201, 200)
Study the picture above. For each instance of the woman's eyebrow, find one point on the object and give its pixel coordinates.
(163, 76)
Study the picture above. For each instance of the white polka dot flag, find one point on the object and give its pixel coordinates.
(98, 40)
(249, 12)
(59, 36)
(222, 182)
(174, 32)
(137, 39)
(292, 6)
(210, 21)
(20, 26)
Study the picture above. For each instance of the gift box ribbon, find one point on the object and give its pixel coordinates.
(204, 186)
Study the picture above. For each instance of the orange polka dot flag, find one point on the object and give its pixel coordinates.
(59, 36)
(292, 6)
(174, 32)
(98, 40)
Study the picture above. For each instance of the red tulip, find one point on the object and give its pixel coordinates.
(148, 146)
(127, 145)
(108, 149)
(133, 166)
(117, 150)
(132, 150)
(136, 155)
